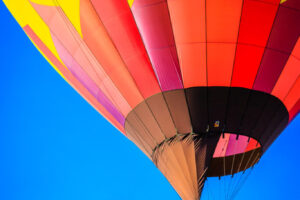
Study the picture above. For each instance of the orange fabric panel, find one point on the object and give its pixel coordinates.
(121, 27)
(63, 30)
(287, 78)
(188, 23)
(192, 60)
(223, 19)
(99, 42)
(289, 75)
(72, 80)
(293, 95)
(220, 58)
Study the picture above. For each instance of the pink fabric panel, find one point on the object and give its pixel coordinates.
(71, 79)
(121, 27)
(222, 146)
(72, 42)
(153, 21)
(86, 81)
(236, 146)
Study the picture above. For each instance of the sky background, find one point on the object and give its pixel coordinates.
(55, 146)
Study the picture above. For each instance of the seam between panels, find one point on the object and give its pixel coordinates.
(291, 89)
(250, 92)
(229, 89)
(262, 58)
(113, 43)
(96, 61)
(173, 37)
(62, 15)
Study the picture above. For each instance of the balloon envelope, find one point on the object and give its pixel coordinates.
(202, 87)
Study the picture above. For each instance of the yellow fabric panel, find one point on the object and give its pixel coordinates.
(130, 2)
(24, 13)
(70, 8)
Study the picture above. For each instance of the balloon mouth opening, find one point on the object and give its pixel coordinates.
(231, 144)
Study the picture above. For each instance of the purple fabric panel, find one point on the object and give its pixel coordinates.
(85, 80)
(153, 21)
(284, 35)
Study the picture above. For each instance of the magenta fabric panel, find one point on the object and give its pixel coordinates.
(283, 37)
(236, 146)
(153, 21)
(85, 80)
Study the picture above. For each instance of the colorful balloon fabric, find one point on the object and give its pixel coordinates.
(202, 87)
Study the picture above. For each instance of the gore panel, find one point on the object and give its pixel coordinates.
(221, 147)
(232, 164)
(220, 59)
(223, 16)
(204, 150)
(294, 111)
(247, 61)
(179, 111)
(269, 71)
(117, 19)
(100, 50)
(74, 44)
(236, 144)
(197, 103)
(255, 106)
(147, 118)
(293, 95)
(256, 23)
(161, 112)
(237, 105)
(284, 35)
(72, 79)
(86, 81)
(287, 78)
(217, 107)
(153, 21)
(188, 22)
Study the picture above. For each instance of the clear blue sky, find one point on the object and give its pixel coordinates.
(54, 146)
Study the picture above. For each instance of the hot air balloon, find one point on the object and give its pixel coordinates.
(202, 87)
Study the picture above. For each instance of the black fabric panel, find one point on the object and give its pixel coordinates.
(255, 107)
(240, 111)
(204, 150)
(236, 108)
(197, 103)
(229, 165)
(217, 106)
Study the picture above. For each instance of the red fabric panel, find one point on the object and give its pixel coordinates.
(256, 23)
(295, 110)
(153, 21)
(252, 145)
(284, 35)
(120, 25)
(246, 64)
(293, 95)
(287, 78)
